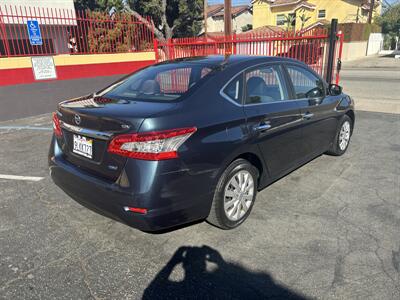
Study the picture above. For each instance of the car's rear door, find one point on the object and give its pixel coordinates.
(317, 108)
(274, 120)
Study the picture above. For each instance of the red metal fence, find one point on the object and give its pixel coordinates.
(69, 31)
(310, 47)
(84, 32)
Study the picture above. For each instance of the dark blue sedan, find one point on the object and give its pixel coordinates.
(195, 139)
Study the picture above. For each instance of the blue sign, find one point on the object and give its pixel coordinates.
(35, 36)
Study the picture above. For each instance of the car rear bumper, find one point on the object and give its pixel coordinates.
(171, 198)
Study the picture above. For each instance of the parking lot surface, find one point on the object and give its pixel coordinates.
(328, 230)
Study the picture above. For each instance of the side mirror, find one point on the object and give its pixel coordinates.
(335, 90)
(314, 93)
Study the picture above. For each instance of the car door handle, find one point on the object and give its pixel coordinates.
(263, 127)
(307, 116)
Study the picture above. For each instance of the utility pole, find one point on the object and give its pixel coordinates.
(371, 11)
(228, 17)
(205, 17)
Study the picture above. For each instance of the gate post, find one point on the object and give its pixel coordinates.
(155, 41)
(331, 51)
(339, 59)
(171, 50)
(234, 43)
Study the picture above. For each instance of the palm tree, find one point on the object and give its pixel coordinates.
(304, 19)
(289, 20)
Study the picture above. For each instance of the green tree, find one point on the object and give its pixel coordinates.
(171, 18)
(247, 27)
(290, 20)
(112, 37)
(303, 19)
(390, 20)
(98, 4)
(174, 18)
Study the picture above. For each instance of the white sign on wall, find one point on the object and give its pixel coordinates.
(43, 67)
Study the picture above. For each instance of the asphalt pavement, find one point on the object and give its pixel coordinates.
(374, 83)
(329, 230)
(26, 100)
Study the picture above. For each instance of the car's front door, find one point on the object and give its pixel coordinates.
(273, 120)
(317, 109)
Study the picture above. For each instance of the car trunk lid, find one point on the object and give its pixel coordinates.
(89, 123)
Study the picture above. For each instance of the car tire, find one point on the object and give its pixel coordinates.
(342, 137)
(235, 195)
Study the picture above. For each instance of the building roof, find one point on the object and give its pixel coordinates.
(284, 2)
(265, 29)
(236, 10)
(322, 22)
(213, 9)
(268, 29)
(275, 3)
(213, 34)
(305, 4)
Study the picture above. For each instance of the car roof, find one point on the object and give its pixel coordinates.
(229, 60)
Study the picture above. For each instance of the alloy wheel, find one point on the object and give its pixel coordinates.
(238, 195)
(344, 135)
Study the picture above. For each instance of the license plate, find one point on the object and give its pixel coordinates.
(83, 146)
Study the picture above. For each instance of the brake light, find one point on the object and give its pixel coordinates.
(56, 125)
(158, 145)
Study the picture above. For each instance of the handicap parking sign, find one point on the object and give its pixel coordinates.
(35, 36)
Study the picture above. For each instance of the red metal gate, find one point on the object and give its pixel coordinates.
(310, 47)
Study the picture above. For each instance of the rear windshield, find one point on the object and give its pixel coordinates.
(158, 83)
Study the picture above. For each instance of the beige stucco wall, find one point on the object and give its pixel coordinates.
(217, 24)
(60, 10)
(59, 4)
(354, 50)
(345, 11)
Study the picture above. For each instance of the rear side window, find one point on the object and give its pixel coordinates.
(305, 83)
(159, 83)
(264, 85)
(234, 89)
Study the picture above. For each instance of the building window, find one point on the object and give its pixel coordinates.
(322, 14)
(280, 20)
(293, 16)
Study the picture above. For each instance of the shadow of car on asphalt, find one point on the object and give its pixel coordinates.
(208, 276)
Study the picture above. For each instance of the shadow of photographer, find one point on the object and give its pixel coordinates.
(207, 275)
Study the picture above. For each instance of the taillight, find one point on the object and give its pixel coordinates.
(56, 125)
(158, 145)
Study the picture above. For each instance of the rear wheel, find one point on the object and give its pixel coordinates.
(342, 138)
(234, 196)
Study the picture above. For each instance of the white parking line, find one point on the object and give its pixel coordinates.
(26, 178)
(26, 127)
